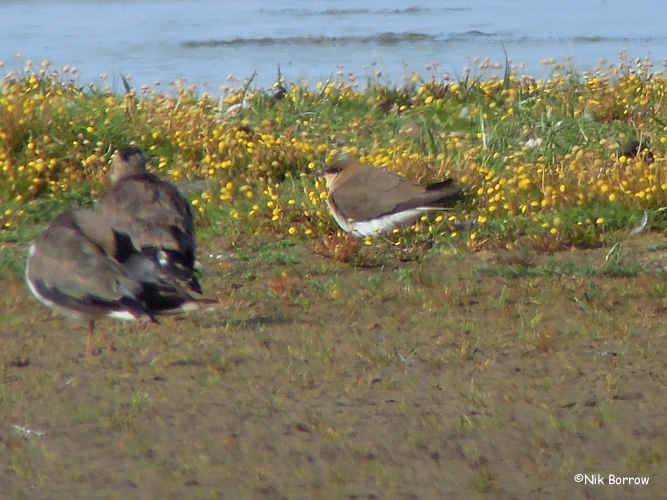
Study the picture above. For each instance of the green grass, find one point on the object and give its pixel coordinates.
(570, 269)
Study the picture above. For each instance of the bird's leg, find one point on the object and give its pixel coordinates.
(89, 350)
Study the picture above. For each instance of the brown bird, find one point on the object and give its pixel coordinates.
(632, 149)
(154, 213)
(366, 200)
(83, 268)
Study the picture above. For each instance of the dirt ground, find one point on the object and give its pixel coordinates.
(467, 375)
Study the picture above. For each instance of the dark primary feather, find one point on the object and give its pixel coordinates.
(434, 197)
(436, 186)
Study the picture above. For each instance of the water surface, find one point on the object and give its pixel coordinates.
(206, 41)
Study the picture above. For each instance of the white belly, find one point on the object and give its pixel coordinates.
(380, 225)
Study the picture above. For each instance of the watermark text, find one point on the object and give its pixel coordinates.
(611, 479)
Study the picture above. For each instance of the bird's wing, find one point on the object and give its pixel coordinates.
(374, 193)
(67, 269)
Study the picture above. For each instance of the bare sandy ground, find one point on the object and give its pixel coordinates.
(486, 375)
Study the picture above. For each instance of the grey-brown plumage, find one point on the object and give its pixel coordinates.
(83, 268)
(366, 200)
(153, 213)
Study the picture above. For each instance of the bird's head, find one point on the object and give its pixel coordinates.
(127, 162)
(333, 170)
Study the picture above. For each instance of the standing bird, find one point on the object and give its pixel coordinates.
(153, 213)
(83, 268)
(366, 200)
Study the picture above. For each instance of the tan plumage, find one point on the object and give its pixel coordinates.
(366, 200)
